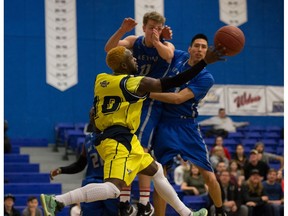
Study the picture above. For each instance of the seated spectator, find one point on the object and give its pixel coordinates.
(180, 171)
(221, 166)
(255, 163)
(221, 124)
(193, 182)
(280, 178)
(254, 195)
(232, 200)
(274, 193)
(9, 210)
(32, 208)
(218, 155)
(267, 157)
(7, 143)
(235, 171)
(240, 157)
(220, 142)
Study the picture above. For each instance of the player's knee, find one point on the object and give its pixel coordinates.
(159, 169)
(112, 190)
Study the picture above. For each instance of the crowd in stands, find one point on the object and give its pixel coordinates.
(249, 184)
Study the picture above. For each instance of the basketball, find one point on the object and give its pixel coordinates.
(230, 37)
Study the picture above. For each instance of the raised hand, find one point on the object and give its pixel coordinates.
(167, 33)
(214, 55)
(54, 173)
(128, 24)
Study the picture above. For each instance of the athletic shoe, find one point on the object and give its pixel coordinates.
(143, 210)
(50, 205)
(201, 212)
(126, 209)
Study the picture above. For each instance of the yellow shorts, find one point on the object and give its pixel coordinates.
(119, 162)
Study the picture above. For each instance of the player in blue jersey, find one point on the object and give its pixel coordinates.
(153, 56)
(94, 174)
(178, 131)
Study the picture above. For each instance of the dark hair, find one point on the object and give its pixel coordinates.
(31, 198)
(221, 109)
(6, 196)
(198, 36)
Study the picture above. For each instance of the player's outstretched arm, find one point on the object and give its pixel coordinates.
(158, 85)
(115, 40)
(73, 168)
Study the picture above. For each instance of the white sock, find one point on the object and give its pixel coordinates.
(125, 194)
(89, 193)
(167, 192)
(144, 196)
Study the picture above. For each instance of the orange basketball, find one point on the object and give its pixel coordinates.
(230, 37)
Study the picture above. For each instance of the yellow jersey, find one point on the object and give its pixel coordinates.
(116, 102)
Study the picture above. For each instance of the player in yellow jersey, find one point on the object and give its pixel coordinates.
(118, 101)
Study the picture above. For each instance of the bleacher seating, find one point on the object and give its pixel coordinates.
(250, 135)
(71, 137)
(253, 135)
(21, 167)
(67, 134)
(236, 136)
(256, 128)
(23, 179)
(29, 177)
(15, 149)
(33, 188)
(16, 158)
(40, 142)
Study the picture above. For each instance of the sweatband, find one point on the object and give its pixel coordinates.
(181, 78)
(76, 167)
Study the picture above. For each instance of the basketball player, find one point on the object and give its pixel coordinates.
(94, 174)
(179, 131)
(153, 56)
(118, 100)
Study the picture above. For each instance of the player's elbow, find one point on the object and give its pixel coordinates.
(107, 48)
(178, 100)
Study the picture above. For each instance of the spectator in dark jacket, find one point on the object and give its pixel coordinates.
(254, 196)
(231, 197)
(255, 163)
(9, 209)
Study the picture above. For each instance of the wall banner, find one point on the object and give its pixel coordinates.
(61, 43)
(144, 6)
(275, 100)
(213, 101)
(233, 12)
(246, 100)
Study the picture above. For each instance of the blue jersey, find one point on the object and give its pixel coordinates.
(149, 61)
(150, 64)
(199, 85)
(94, 171)
(178, 132)
(94, 174)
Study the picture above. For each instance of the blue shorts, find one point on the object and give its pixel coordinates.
(181, 136)
(99, 208)
(150, 117)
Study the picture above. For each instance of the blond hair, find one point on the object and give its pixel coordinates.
(115, 57)
(155, 16)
